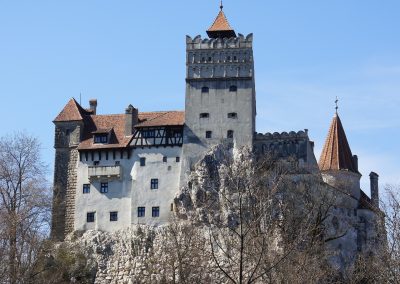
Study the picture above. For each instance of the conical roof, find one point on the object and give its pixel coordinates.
(71, 112)
(221, 28)
(336, 154)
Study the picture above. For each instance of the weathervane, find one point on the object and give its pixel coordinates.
(337, 106)
(221, 6)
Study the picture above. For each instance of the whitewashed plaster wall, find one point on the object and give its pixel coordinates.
(167, 173)
(117, 199)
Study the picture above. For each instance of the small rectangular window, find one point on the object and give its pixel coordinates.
(142, 162)
(232, 115)
(229, 134)
(101, 138)
(164, 159)
(90, 217)
(104, 187)
(155, 212)
(204, 115)
(117, 163)
(178, 159)
(154, 183)
(208, 134)
(96, 163)
(113, 216)
(86, 188)
(141, 211)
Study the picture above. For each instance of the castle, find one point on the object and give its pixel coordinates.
(114, 171)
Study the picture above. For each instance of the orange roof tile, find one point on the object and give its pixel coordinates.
(116, 124)
(71, 112)
(336, 154)
(220, 23)
(166, 118)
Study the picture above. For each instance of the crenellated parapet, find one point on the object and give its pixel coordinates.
(219, 57)
(214, 43)
(285, 144)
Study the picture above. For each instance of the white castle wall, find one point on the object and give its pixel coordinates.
(167, 174)
(117, 199)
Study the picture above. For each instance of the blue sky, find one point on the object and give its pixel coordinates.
(133, 52)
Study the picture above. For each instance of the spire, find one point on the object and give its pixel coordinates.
(336, 154)
(221, 28)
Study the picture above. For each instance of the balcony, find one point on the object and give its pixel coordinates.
(99, 172)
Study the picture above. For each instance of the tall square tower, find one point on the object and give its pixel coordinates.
(220, 102)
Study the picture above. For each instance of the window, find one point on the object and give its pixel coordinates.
(177, 159)
(204, 115)
(103, 138)
(148, 133)
(233, 88)
(67, 132)
(141, 211)
(203, 59)
(208, 134)
(96, 163)
(142, 162)
(228, 58)
(113, 216)
(164, 159)
(205, 89)
(117, 163)
(209, 59)
(230, 134)
(90, 217)
(154, 183)
(86, 188)
(234, 58)
(232, 115)
(155, 212)
(104, 187)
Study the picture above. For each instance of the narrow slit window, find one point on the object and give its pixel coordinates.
(229, 134)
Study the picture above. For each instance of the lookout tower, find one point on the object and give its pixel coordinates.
(220, 102)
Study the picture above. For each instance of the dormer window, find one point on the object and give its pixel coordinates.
(233, 88)
(205, 89)
(101, 138)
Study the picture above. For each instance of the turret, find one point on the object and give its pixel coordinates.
(338, 166)
(69, 126)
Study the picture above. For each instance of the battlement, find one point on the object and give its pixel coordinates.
(219, 43)
(283, 136)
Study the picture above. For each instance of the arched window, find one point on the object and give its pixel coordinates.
(229, 134)
(233, 88)
(205, 89)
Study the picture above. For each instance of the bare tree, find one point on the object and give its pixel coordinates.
(265, 216)
(24, 205)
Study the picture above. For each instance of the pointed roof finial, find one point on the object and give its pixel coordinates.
(337, 106)
(221, 6)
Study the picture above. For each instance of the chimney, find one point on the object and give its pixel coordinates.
(131, 119)
(355, 160)
(93, 105)
(374, 177)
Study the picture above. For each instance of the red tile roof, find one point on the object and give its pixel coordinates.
(220, 23)
(336, 154)
(72, 112)
(99, 123)
(162, 118)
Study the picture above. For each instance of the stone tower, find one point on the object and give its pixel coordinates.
(68, 130)
(338, 166)
(220, 101)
